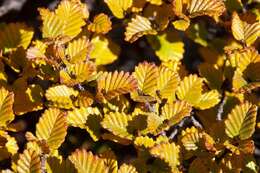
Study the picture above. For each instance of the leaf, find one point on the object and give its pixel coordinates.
(8, 145)
(6, 107)
(175, 112)
(61, 96)
(119, 7)
(66, 20)
(86, 162)
(86, 118)
(208, 100)
(104, 51)
(114, 84)
(117, 123)
(55, 165)
(52, 127)
(29, 162)
(127, 169)
(212, 8)
(241, 121)
(77, 73)
(190, 89)
(78, 50)
(169, 152)
(190, 138)
(167, 83)
(146, 75)
(144, 141)
(137, 27)
(155, 2)
(243, 31)
(101, 24)
(15, 35)
(167, 46)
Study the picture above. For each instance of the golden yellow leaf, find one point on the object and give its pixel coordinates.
(146, 75)
(119, 7)
(114, 84)
(15, 35)
(137, 27)
(61, 96)
(167, 46)
(117, 123)
(104, 51)
(78, 50)
(127, 169)
(190, 89)
(66, 20)
(241, 121)
(77, 73)
(208, 100)
(8, 145)
(101, 24)
(52, 128)
(86, 162)
(6, 107)
(29, 162)
(243, 31)
(169, 152)
(86, 118)
(155, 2)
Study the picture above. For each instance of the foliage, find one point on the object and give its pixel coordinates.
(173, 117)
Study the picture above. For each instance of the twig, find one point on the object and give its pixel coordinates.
(221, 109)
(43, 163)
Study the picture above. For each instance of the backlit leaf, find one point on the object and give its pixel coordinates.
(117, 123)
(104, 51)
(155, 2)
(146, 75)
(114, 84)
(241, 121)
(86, 118)
(52, 127)
(138, 27)
(66, 20)
(29, 162)
(6, 107)
(127, 169)
(101, 24)
(61, 96)
(190, 89)
(119, 7)
(243, 31)
(169, 152)
(167, 46)
(208, 100)
(86, 162)
(15, 35)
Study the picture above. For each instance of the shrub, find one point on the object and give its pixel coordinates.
(175, 113)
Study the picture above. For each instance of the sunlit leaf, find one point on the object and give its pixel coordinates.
(119, 7)
(127, 169)
(101, 24)
(114, 84)
(29, 162)
(78, 49)
(167, 83)
(138, 27)
(15, 35)
(66, 20)
(243, 31)
(6, 107)
(61, 96)
(104, 51)
(117, 123)
(146, 75)
(208, 100)
(241, 121)
(167, 46)
(86, 118)
(86, 162)
(52, 127)
(190, 89)
(169, 152)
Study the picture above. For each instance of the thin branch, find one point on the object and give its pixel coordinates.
(10, 5)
